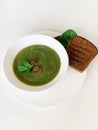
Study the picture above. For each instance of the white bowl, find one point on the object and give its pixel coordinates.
(27, 41)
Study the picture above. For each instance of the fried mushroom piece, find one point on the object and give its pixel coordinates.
(33, 61)
(37, 69)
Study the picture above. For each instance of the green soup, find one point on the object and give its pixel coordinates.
(46, 58)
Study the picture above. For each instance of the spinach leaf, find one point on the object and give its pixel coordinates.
(25, 67)
(66, 37)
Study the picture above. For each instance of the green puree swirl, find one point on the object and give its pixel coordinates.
(48, 59)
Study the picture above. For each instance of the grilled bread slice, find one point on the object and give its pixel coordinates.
(81, 52)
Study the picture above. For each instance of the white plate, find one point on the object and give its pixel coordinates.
(60, 93)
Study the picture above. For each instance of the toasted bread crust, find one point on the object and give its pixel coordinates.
(81, 52)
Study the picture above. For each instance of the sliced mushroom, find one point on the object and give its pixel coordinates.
(33, 61)
(37, 69)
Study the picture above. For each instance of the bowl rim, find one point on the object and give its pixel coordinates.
(19, 45)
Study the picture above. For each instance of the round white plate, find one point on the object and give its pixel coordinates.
(60, 93)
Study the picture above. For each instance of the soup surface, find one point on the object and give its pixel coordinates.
(44, 63)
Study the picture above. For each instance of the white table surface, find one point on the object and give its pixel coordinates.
(21, 17)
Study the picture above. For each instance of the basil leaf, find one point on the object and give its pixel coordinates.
(22, 68)
(25, 67)
(66, 37)
(26, 64)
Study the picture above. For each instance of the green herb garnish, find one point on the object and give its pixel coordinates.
(67, 36)
(25, 67)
